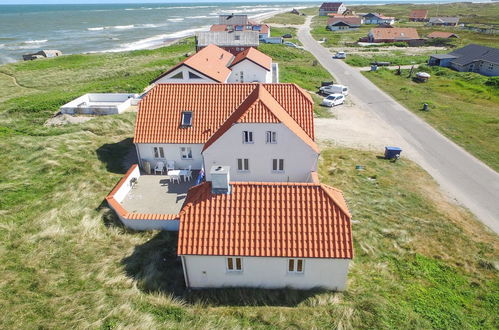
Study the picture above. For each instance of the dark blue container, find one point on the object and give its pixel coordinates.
(392, 152)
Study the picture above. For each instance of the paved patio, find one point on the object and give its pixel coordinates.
(156, 194)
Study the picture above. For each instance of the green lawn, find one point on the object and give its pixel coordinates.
(286, 18)
(462, 106)
(395, 59)
(65, 261)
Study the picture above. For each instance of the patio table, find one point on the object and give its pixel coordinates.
(178, 173)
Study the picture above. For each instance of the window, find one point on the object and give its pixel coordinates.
(185, 153)
(194, 76)
(179, 75)
(234, 264)
(237, 37)
(295, 266)
(247, 137)
(270, 137)
(159, 152)
(277, 165)
(186, 118)
(243, 164)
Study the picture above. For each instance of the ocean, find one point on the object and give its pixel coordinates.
(117, 27)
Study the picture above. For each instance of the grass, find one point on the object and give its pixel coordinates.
(462, 106)
(365, 60)
(286, 18)
(280, 31)
(65, 262)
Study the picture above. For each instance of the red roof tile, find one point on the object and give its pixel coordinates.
(418, 13)
(439, 34)
(394, 34)
(159, 116)
(350, 20)
(212, 61)
(254, 56)
(266, 219)
(261, 107)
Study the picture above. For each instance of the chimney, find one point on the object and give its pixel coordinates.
(220, 179)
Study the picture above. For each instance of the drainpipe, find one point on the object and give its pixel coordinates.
(138, 155)
(186, 276)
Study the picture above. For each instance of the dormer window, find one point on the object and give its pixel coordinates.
(187, 118)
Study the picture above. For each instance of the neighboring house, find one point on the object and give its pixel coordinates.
(341, 22)
(443, 35)
(46, 53)
(443, 21)
(265, 235)
(471, 58)
(418, 15)
(213, 64)
(233, 42)
(376, 18)
(332, 8)
(264, 132)
(378, 35)
(240, 23)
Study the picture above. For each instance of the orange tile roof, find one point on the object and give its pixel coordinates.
(418, 13)
(254, 56)
(223, 27)
(350, 20)
(439, 34)
(394, 33)
(211, 61)
(159, 116)
(261, 107)
(266, 219)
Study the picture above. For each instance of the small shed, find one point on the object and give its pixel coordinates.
(44, 53)
(441, 60)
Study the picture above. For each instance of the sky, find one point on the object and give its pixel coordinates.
(39, 2)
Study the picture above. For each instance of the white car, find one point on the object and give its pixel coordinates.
(340, 55)
(290, 44)
(334, 89)
(333, 99)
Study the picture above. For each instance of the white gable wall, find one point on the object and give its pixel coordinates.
(299, 158)
(265, 272)
(185, 74)
(251, 73)
(145, 152)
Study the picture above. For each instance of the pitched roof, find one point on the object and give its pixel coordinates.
(266, 219)
(264, 28)
(261, 107)
(394, 33)
(381, 16)
(441, 20)
(473, 52)
(211, 61)
(254, 56)
(228, 39)
(418, 13)
(349, 20)
(233, 19)
(330, 6)
(440, 34)
(158, 120)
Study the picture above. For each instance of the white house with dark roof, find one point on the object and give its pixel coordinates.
(232, 41)
(471, 58)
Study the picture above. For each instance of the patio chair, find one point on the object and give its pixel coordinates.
(170, 165)
(159, 167)
(188, 175)
(174, 178)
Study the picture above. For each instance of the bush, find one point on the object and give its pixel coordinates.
(493, 82)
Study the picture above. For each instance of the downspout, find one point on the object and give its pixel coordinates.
(138, 155)
(186, 276)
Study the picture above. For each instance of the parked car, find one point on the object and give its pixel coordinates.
(272, 40)
(290, 44)
(334, 89)
(287, 35)
(333, 99)
(340, 55)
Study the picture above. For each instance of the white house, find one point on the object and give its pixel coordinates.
(470, 58)
(332, 8)
(196, 124)
(377, 18)
(265, 235)
(213, 64)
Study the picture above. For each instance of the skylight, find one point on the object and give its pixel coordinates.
(186, 118)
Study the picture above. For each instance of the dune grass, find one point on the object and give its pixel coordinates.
(367, 59)
(287, 19)
(66, 262)
(463, 107)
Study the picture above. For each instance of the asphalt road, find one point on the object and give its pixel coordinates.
(462, 176)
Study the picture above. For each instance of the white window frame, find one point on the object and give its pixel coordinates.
(185, 152)
(293, 263)
(280, 165)
(233, 262)
(182, 119)
(271, 137)
(244, 165)
(158, 152)
(248, 137)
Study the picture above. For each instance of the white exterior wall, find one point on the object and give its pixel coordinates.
(251, 73)
(265, 272)
(145, 152)
(185, 74)
(488, 68)
(299, 158)
(98, 104)
(150, 224)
